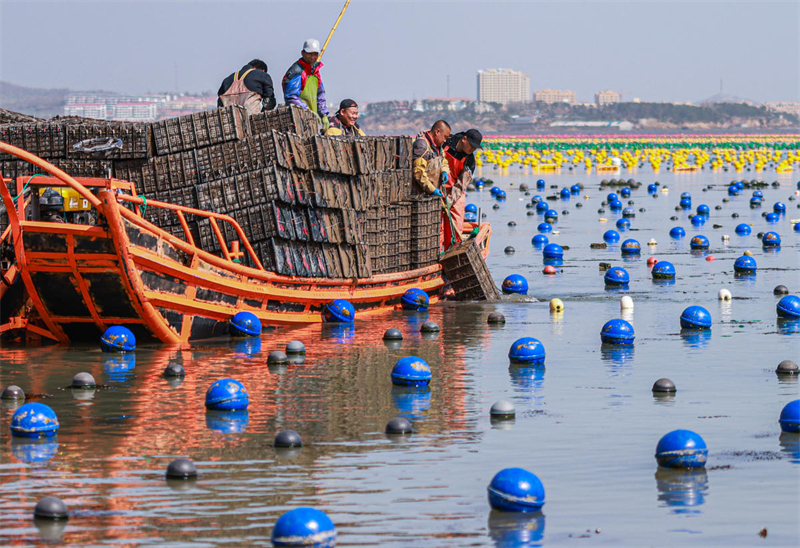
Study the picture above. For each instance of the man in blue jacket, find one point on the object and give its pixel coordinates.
(302, 83)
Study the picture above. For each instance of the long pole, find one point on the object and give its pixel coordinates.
(336, 24)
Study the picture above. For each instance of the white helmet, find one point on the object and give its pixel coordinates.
(311, 46)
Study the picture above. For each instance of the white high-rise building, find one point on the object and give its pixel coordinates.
(503, 86)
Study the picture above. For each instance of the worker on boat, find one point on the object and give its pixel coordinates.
(430, 167)
(302, 83)
(344, 122)
(250, 87)
(460, 153)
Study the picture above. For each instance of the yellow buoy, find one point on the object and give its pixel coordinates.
(556, 305)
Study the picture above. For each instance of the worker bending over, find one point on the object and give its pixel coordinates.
(302, 83)
(460, 153)
(250, 87)
(430, 168)
(344, 122)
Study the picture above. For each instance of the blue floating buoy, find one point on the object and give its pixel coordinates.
(703, 209)
(304, 527)
(542, 206)
(733, 191)
(739, 185)
(743, 229)
(494, 190)
(516, 490)
(611, 236)
(779, 207)
(745, 264)
(623, 224)
(536, 199)
(544, 227)
(677, 232)
(695, 317)
(540, 183)
(471, 217)
(699, 242)
(515, 283)
(551, 214)
(411, 371)
(629, 212)
(615, 205)
(698, 220)
(685, 195)
(663, 270)
(500, 194)
(625, 192)
(472, 208)
(616, 276)
(118, 338)
(685, 203)
(772, 218)
(755, 201)
(681, 449)
(527, 350)
(652, 188)
(245, 324)
(630, 247)
(339, 310)
(758, 194)
(480, 183)
(617, 332)
(789, 307)
(34, 420)
(553, 251)
(790, 417)
(227, 394)
(414, 299)
(564, 193)
(575, 189)
(771, 239)
(796, 227)
(611, 196)
(540, 240)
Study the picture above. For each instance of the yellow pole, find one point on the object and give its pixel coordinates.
(336, 24)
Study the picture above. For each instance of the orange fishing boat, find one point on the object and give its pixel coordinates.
(80, 279)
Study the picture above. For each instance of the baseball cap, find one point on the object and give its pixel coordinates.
(347, 103)
(311, 46)
(474, 137)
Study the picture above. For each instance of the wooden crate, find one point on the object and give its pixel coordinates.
(468, 274)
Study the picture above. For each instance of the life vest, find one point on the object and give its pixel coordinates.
(238, 94)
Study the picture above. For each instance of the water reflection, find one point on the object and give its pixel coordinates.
(32, 450)
(339, 333)
(181, 485)
(696, 338)
(411, 401)
(682, 490)
(663, 282)
(246, 347)
(529, 382)
(617, 355)
(227, 422)
(119, 367)
(554, 262)
(83, 395)
(393, 345)
(516, 530)
(50, 530)
(790, 446)
(788, 326)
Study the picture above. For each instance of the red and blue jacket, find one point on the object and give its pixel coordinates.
(294, 82)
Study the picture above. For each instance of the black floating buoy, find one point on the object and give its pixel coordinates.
(496, 206)
(512, 223)
(429, 327)
(509, 250)
(664, 385)
(174, 370)
(630, 202)
(579, 205)
(502, 410)
(605, 266)
(734, 215)
(642, 210)
(523, 187)
(718, 208)
(531, 213)
(295, 347)
(398, 426)
(673, 218)
(51, 508)
(12, 392)
(288, 438)
(787, 367)
(780, 290)
(277, 357)
(83, 380)
(392, 334)
(496, 317)
(181, 468)
(565, 212)
(601, 210)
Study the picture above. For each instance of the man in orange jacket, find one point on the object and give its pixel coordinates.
(460, 153)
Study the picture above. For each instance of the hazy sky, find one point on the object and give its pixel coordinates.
(657, 51)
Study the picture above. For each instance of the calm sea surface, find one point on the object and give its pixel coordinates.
(587, 423)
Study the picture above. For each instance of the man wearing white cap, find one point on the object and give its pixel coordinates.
(302, 83)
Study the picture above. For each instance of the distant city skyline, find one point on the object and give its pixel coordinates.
(656, 51)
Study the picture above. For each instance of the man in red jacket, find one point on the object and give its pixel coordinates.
(460, 153)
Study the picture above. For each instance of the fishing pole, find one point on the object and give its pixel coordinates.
(336, 24)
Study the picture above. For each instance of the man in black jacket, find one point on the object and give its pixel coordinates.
(250, 87)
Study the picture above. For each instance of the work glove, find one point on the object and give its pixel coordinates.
(326, 123)
(437, 192)
(444, 178)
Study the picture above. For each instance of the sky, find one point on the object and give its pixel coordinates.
(384, 50)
